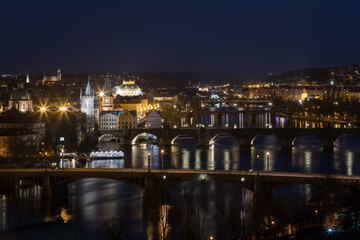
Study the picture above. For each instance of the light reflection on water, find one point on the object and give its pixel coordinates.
(90, 201)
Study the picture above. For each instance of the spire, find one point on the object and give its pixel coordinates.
(107, 85)
(88, 87)
(27, 77)
(59, 74)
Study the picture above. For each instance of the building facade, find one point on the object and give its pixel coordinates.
(21, 100)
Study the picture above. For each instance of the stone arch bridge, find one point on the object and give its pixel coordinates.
(245, 136)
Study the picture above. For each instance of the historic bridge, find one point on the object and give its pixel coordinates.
(245, 136)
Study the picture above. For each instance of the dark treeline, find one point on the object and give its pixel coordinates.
(206, 209)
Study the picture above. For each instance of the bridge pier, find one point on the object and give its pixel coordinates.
(46, 189)
(203, 137)
(245, 142)
(286, 143)
(151, 206)
(328, 143)
(218, 120)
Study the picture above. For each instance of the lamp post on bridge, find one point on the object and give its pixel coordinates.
(149, 162)
(267, 162)
(162, 159)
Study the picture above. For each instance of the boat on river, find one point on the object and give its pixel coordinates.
(106, 155)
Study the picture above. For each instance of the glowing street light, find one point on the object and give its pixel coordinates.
(101, 94)
(43, 109)
(63, 108)
(162, 159)
(268, 161)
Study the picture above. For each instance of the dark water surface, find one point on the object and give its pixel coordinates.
(90, 201)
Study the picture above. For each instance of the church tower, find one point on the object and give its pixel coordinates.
(107, 103)
(59, 74)
(27, 77)
(87, 102)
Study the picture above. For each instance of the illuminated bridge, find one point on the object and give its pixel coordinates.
(245, 136)
(51, 179)
(155, 183)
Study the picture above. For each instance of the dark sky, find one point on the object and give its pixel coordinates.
(243, 38)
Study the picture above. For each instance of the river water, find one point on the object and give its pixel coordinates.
(90, 201)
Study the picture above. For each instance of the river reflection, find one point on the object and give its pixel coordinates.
(89, 201)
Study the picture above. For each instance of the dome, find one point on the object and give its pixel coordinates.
(128, 89)
(20, 94)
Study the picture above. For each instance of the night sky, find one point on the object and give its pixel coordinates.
(238, 37)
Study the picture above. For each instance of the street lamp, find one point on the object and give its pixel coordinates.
(149, 167)
(62, 157)
(268, 161)
(162, 159)
(258, 159)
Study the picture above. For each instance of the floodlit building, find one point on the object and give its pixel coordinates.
(153, 120)
(128, 89)
(18, 142)
(107, 99)
(87, 102)
(127, 120)
(21, 100)
(109, 120)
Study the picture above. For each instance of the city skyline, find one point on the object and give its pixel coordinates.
(239, 38)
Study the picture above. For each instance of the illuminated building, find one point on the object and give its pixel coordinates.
(87, 102)
(130, 97)
(153, 120)
(108, 120)
(18, 142)
(127, 120)
(128, 89)
(21, 100)
(303, 95)
(107, 102)
(50, 80)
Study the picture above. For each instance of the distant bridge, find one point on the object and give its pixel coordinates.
(245, 136)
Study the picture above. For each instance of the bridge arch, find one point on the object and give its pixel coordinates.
(349, 140)
(272, 137)
(308, 139)
(182, 136)
(225, 136)
(107, 138)
(145, 137)
(134, 181)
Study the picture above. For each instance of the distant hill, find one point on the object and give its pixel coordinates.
(349, 74)
(186, 78)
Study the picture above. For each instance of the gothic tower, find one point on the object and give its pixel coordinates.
(59, 74)
(107, 103)
(87, 102)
